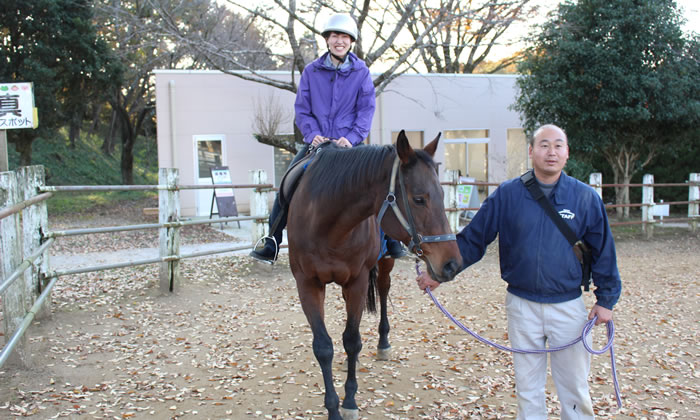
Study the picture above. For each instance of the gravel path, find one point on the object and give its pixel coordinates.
(233, 343)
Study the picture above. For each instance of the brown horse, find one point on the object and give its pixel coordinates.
(333, 228)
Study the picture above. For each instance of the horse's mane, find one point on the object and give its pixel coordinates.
(337, 171)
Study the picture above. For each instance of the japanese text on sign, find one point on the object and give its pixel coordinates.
(17, 106)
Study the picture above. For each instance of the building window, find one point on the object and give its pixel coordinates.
(516, 152)
(209, 154)
(467, 151)
(415, 138)
(282, 160)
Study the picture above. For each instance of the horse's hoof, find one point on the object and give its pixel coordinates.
(348, 414)
(384, 354)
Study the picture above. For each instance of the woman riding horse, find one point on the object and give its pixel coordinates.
(334, 102)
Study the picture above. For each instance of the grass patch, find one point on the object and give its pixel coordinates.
(76, 202)
(86, 164)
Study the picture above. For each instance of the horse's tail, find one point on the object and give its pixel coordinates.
(372, 290)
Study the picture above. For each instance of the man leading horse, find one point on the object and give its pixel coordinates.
(544, 276)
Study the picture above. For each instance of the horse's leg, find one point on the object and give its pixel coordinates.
(383, 286)
(312, 299)
(355, 299)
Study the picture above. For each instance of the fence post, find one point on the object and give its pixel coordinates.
(450, 201)
(14, 297)
(258, 205)
(34, 223)
(596, 181)
(648, 205)
(169, 211)
(694, 195)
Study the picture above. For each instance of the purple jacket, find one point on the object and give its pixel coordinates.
(333, 102)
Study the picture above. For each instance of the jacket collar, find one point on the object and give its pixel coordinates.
(562, 187)
(352, 62)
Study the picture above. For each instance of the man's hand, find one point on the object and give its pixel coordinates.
(318, 140)
(424, 281)
(604, 314)
(343, 142)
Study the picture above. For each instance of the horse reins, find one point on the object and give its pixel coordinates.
(410, 225)
(587, 328)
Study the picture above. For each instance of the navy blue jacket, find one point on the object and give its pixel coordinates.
(536, 260)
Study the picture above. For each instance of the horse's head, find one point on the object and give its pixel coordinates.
(419, 196)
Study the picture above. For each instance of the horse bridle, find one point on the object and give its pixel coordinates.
(410, 225)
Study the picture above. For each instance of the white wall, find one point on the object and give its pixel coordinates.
(210, 102)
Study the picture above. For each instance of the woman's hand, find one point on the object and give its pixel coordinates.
(343, 142)
(318, 140)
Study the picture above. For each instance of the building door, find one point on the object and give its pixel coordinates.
(208, 152)
(467, 151)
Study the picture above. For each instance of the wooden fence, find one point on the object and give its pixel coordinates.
(26, 279)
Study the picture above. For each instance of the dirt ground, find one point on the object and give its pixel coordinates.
(232, 342)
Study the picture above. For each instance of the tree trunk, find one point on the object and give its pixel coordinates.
(127, 159)
(108, 142)
(96, 111)
(627, 179)
(74, 129)
(623, 161)
(619, 194)
(23, 146)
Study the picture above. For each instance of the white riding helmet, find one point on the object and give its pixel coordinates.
(341, 23)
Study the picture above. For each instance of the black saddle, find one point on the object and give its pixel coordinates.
(291, 178)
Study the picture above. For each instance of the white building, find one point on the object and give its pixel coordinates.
(206, 118)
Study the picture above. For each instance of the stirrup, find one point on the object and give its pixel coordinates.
(262, 260)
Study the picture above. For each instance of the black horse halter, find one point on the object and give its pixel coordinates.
(410, 225)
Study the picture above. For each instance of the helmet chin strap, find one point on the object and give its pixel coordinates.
(337, 57)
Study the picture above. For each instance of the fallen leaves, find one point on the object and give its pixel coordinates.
(234, 343)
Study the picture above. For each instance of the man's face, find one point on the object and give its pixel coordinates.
(549, 152)
(339, 43)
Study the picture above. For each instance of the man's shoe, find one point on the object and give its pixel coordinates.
(266, 254)
(395, 250)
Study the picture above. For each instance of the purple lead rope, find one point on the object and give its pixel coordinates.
(587, 328)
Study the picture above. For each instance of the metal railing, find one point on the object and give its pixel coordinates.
(23, 193)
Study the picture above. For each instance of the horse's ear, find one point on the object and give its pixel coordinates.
(432, 146)
(403, 148)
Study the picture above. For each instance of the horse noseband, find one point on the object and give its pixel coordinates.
(410, 225)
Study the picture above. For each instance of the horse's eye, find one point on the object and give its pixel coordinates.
(419, 200)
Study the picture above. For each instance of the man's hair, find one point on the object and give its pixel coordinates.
(531, 139)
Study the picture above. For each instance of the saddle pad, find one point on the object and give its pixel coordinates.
(290, 180)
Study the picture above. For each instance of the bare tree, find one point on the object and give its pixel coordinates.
(134, 29)
(293, 29)
(269, 116)
(396, 36)
(473, 29)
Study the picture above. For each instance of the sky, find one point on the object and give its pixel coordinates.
(691, 12)
(690, 8)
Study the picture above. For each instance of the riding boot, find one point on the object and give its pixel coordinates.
(269, 252)
(394, 249)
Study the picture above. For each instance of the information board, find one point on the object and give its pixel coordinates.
(467, 197)
(225, 200)
(17, 106)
